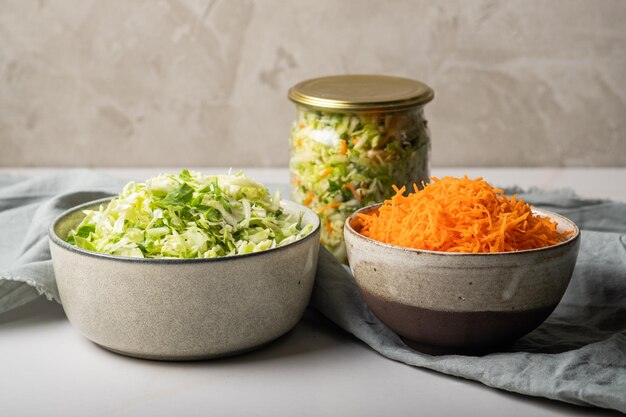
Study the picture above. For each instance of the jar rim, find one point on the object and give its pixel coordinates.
(361, 92)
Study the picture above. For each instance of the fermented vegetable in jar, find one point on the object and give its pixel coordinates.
(354, 137)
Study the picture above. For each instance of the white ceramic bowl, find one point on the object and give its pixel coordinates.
(184, 309)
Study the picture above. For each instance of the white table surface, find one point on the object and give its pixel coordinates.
(47, 368)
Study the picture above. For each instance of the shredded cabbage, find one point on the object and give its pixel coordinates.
(343, 161)
(189, 215)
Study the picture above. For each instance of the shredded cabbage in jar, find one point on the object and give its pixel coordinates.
(189, 215)
(343, 161)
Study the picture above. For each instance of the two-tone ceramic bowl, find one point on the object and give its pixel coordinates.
(442, 302)
(184, 309)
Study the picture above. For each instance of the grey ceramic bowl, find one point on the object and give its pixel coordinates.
(183, 309)
(444, 302)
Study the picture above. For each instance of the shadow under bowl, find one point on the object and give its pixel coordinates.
(443, 302)
(183, 309)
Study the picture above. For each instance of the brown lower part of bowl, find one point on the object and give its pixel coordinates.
(445, 332)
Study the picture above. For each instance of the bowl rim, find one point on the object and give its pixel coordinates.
(54, 238)
(573, 238)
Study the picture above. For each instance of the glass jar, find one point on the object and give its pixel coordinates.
(354, 138)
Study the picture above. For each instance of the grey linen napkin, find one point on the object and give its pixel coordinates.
(27, 208)
(578, 355)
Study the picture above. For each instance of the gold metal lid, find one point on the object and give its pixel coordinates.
(361, 93)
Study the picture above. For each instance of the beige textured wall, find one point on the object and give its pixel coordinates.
(190, 82)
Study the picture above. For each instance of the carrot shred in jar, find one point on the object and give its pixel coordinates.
(459, 215)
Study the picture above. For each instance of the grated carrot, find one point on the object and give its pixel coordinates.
(308, 198)
(344, 147)
(328, 206)
(459, 215)
(329, 229)
(325, 172)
